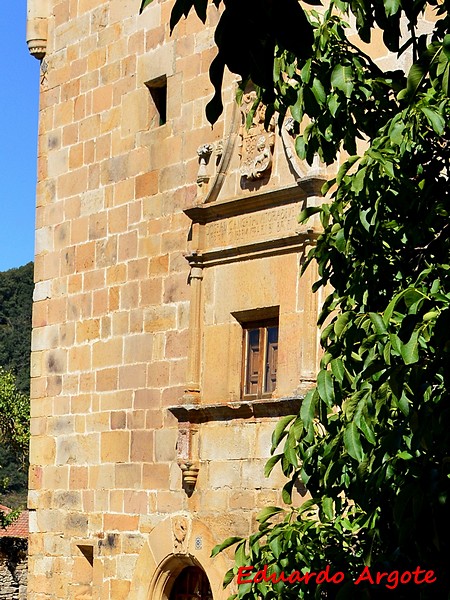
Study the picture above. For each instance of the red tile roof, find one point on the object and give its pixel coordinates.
(18, 528)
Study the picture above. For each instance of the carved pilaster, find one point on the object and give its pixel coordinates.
(37, 15)
(194, 359)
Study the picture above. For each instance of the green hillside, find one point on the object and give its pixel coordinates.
(16, 293)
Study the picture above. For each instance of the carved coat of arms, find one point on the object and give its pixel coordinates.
(255, 141)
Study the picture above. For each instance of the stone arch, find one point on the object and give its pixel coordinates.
(177, 542)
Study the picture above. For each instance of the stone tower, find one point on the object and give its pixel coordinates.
(171, 328)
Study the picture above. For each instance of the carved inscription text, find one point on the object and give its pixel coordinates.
(243, 229)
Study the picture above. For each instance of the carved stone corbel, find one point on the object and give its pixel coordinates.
(190, 473)
(187, 455)
(37, 15)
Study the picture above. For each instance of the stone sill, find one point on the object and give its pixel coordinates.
(242, 409)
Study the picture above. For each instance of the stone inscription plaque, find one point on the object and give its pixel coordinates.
(273, 223)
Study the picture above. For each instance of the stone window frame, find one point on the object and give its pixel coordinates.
(262, 319)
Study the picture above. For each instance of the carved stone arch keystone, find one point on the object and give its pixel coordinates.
(175, 543)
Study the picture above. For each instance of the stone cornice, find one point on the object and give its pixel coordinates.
(213, 211)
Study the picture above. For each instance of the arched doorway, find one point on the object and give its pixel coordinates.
(191, 584)
(164, 562)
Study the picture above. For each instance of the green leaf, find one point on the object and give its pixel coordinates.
(318, 91)
(352, 442)
(328, 507)
(341, 323)
(226, 544)
(358, 180)
(280, 430)
(228, 578)
(297, 108)
(305, 73)
(276, 546)
(286, 492)
(239, 556)
(325, 387)
(367, 430)
(307, 213)
(378, 322)
(342, 79)
(410, 350)
(337, 368)
(434, 119)
(391, 7)
(416, 76)
(268, 467)
(308, 408)
(144, 4)
(266, 513)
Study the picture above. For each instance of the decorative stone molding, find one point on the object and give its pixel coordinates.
(37, 15)
(179, 528)
(256, 143)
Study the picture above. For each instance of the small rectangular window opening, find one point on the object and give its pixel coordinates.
(158, 92)
(260, 356)
(87, 552)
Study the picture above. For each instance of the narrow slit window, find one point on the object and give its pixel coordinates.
(158, 94)
(83, 571)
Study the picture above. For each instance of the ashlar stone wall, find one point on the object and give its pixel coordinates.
(157, 237)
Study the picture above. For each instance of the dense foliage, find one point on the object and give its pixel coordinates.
(16, 297)
(16, 292)
(371, 442)
(14, 438)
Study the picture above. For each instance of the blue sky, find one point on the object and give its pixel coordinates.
(18, 126)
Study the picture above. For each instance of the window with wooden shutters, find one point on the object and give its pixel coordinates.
(260, 357)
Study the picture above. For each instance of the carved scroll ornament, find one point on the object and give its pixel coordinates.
(255, 141)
